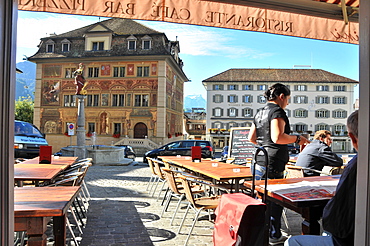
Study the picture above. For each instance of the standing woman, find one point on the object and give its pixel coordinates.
(271, 130)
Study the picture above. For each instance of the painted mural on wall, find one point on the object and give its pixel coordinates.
(50, 92)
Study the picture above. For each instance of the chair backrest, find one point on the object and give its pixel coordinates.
(157, 168)
(171, 182)
(187, 189)
(151, 165)
(293, 171)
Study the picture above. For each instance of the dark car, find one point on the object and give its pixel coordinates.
(224, 153)
(293, 149)
(129, 151)
(181, 147)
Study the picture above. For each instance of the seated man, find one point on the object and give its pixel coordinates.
(339, 214)
(318, 154)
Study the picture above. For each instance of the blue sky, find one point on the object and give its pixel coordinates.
(207, 51)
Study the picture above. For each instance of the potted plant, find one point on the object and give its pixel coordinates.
(88, 134)
(66, 133)
(169, 135)
(116, 135)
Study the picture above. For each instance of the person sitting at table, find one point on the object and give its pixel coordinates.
(339, 214)
(318, 154)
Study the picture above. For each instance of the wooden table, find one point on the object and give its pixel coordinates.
(310, 209)
(223, 172)
(30, 170)
(35, 206)
(55, 160)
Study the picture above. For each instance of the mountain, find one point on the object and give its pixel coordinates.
(194, 101)
(26, 81)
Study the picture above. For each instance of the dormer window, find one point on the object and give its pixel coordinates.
(131, 42)
(50, 46)
(66, 45)
(146, 42)
(97, 46)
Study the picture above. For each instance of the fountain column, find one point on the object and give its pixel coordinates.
(80, 151)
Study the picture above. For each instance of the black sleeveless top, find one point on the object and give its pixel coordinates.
(278, 153)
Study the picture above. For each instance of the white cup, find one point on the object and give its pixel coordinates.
(236, 170)
(178, 156)
(214, 164)
(196, 161)
(187, 158)
(56, 156)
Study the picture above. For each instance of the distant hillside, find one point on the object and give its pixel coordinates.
(194, 101)
(25, 82)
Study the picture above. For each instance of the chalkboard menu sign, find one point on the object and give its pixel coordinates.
(239, 146)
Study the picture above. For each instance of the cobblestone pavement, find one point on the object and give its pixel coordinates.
(121, 212)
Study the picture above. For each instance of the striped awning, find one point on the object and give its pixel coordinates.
(349, 3)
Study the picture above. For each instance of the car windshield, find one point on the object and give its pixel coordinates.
(26, 129)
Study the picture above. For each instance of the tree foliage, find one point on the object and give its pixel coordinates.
(24, 109)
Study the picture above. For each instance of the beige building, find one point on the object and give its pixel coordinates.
(134, 83)
(319, 100)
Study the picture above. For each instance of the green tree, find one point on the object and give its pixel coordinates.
(24, 109)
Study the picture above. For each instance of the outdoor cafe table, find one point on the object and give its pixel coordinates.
(310, 207)
(55, 160)
(30, 170)
(223, 172)
(35, 206)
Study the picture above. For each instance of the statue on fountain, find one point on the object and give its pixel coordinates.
(80, 81)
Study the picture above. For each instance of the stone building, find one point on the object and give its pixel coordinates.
(195, 123)
(134, 83)
(320, 100)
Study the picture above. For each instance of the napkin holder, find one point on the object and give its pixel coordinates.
(196, 153)
(45, 154)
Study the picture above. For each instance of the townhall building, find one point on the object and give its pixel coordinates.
(320, 100)
(134, 83)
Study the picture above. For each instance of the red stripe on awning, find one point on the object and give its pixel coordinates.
(349, 3)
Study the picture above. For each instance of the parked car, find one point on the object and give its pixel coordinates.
(129, 151)
(293, 149)
(224, 153)
(27, 140)
(181, 147)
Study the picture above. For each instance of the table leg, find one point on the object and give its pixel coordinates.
(35, 227)
(59, 228)
(311, 216)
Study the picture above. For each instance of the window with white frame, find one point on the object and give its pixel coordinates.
(248, 112)
(218, 87)
(92, 100)
(218, 98)
(340, 88)
(322, 88)
(118, 71)
(322, 100)
(247, 98)
(131, 42)
(300, 87)
(50, 48)
(69, 101)
(97, 46)
(248, 87)
(300, 127)
(340, 114)
(261, 99)
(233, 112)
(217, 112)
(232, 98)
(301, 99)
(143, 71)
(93, 72)
(66, 45)
(146, 42)
(118, 100)
(322, 113)
(261, 87)
(217, 125)
(141, 100)
(232, 87)
(300, 113)
(117, 128)
(339, 129)
(68, 72)
(321, 126)
(339, 100)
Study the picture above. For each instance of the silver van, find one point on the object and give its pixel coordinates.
(27, 139)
